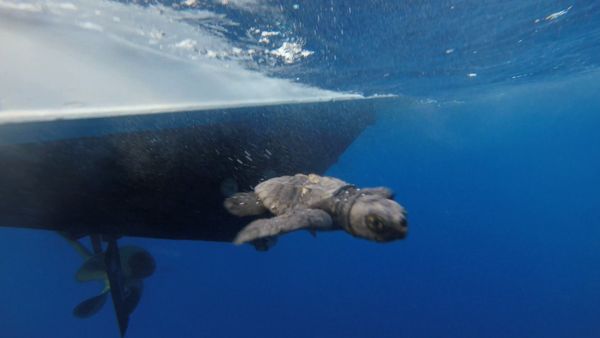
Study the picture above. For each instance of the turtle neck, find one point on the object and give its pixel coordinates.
(342, 203)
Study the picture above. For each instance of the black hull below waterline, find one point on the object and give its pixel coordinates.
(163, 175)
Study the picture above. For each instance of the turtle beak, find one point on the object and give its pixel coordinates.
(400, 225)
(403, 223)
(403, 230)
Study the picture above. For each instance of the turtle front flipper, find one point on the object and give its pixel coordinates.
(244, 204)
(264, 243)
(297, 219)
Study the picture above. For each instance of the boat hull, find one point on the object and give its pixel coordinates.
(163, 175)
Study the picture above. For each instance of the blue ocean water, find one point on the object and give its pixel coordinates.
(497, 160)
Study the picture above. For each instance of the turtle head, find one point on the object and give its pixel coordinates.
(377, 218)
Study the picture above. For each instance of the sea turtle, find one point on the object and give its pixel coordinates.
(317, 203)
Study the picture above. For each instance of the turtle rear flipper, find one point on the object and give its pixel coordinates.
(297, 219)
(90, 306)
(244, 204)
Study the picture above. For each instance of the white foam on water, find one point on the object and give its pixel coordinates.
(91, 26)
(187, 44)
(248, 5)
(102, 54)
(291, 52)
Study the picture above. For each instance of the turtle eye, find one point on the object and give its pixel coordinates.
(375, 223)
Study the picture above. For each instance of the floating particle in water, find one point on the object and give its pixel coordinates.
(472, 75)
(557, 15)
